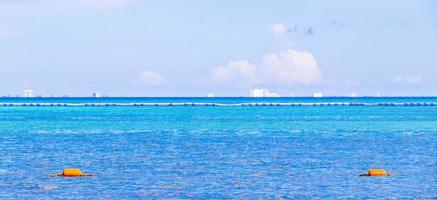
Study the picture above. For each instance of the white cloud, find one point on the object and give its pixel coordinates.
(148, 77)
(291, 67)
(408, 79)
(278, 28)
(240, 73)
(286, 68)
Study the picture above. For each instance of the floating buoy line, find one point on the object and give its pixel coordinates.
(187, 104)
(76, 172)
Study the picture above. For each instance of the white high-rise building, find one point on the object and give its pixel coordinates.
(28, 93)
(318, 95)
(262, 93)
(210, 95)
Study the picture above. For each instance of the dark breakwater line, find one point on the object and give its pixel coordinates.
(264, 104)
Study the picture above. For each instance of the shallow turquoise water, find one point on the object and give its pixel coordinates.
(219, 152)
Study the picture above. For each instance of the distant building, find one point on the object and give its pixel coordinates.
(96, 95)
(354, 94)
(262, 93)
(318, 95)
(210, 95)
(28, 93)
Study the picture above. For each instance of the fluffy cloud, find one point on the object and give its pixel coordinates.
(278, 28)
(241, 73)
(291, 67)
(151, 78)
(409, 79)
(286, 68)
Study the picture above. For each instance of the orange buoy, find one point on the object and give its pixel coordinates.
(376, 172)
(71, 172)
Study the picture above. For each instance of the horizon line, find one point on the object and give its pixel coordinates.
(106, 97)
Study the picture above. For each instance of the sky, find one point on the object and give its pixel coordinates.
(226, 47)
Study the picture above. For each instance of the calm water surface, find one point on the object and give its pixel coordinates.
(286, 152)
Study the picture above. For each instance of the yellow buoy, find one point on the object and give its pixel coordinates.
(376, 172)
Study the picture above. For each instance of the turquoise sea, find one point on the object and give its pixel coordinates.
(218, 148)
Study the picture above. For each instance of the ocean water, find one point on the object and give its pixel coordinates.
(312, 151)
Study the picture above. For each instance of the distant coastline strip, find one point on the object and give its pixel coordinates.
(251, 104)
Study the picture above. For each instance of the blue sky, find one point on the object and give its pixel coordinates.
(191, 48)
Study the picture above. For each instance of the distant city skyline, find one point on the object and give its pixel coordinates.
(224, 48)
(256, 92)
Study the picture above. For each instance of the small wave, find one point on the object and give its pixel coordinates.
(252, 104)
